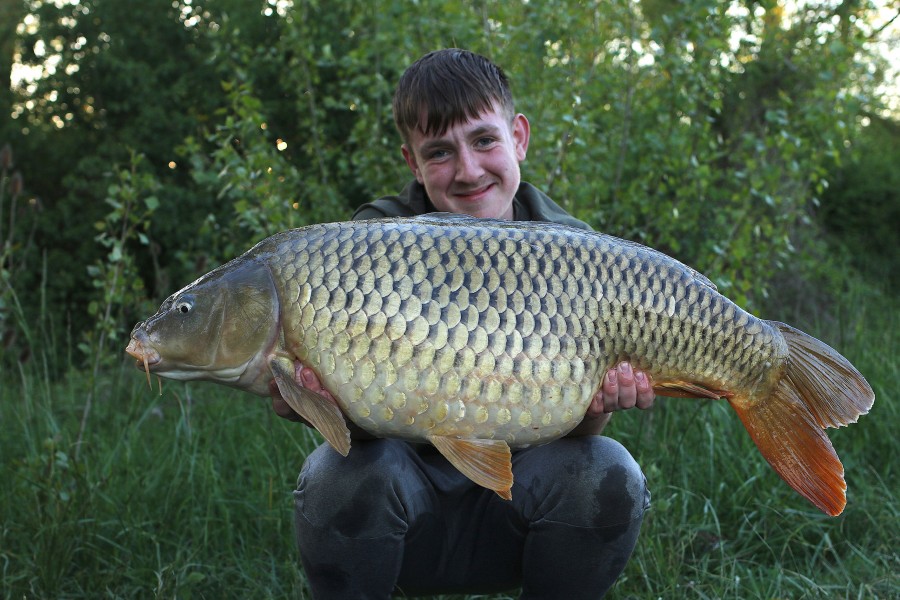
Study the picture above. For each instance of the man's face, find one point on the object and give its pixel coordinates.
(473, 168)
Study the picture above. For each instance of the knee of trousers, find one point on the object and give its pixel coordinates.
(357, 496)
(589, 481)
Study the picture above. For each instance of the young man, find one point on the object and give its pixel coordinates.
(396, 517)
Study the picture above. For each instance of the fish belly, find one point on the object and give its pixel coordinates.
(495, 330)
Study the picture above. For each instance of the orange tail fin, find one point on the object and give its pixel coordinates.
(818, 388)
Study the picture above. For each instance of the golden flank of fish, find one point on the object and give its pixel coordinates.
(479, 336)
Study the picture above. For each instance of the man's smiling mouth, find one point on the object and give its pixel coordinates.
(470, 194)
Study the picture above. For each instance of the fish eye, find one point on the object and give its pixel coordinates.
(184, 305)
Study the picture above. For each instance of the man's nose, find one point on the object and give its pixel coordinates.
(468, 167)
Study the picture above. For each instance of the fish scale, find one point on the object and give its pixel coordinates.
(491, 310)
(480, 335)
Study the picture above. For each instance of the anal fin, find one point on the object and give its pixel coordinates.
(486, 462)
(688, 389)
(318, 410)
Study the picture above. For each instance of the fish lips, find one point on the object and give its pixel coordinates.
(139, 348)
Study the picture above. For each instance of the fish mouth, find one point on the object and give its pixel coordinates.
(146, 356)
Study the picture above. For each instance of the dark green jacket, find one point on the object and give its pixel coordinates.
(530, 204)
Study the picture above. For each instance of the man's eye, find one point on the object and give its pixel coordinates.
(437, 154)
(484, 142)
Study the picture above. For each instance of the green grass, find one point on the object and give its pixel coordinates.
(188, 494)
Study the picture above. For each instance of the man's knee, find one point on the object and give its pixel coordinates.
(590, 481)
(619, 489)
(354, 495)
(350, 519)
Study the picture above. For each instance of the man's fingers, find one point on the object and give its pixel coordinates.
(623, 388)
(627, 389)
(645, 394)
(308, 378)
(610, 391)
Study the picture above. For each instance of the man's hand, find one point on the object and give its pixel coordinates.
(622, 388)
(307, 378)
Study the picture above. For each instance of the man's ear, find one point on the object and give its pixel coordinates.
(410, 158)
(521, 131)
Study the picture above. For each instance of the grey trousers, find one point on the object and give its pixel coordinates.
(397, 518)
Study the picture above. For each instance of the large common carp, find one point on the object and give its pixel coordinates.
(481, 335)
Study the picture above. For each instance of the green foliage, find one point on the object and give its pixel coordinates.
(861, 208)
(129, 76)
(16, 243)
(248, 170)
(120, 290)
(150, 508)
(116, 279)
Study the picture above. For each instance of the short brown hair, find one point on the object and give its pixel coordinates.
(446, 87)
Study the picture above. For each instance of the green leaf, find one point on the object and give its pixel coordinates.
(194, 577)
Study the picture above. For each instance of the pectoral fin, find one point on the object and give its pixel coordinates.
(688, 389)
(486, 462)
(319, 411)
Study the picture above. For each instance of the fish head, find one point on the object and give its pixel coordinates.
(219, 328)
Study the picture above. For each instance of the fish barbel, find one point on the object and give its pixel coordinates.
(480, 335)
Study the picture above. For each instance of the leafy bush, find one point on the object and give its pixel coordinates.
(861, 208)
